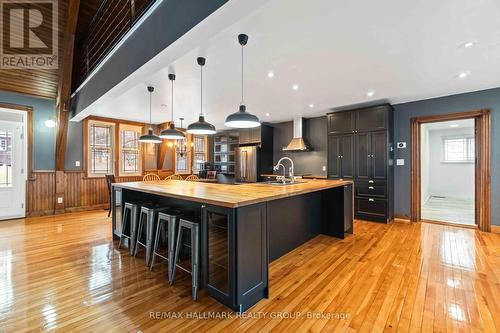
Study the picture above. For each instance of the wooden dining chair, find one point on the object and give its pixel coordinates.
(150, 177)
(176, 177)
(110, 179)
(192, 178)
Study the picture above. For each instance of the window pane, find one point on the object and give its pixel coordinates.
(101, 160)
(100, 136)
(472, 148)
(5, 159)
(130, 139)
(130, 161)
(455, 149)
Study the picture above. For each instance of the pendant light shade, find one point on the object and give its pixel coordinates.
(242, 119)
(171, 133)
(201, 127)
(150, 137)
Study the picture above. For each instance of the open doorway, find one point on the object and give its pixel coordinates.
(13, 163)
(478, 149)
(448, 171)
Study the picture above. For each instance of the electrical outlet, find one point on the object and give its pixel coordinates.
(77, 163)
(324, 167)
(59, 200)
(400, 161)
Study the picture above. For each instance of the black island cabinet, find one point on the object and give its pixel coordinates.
(238, 243)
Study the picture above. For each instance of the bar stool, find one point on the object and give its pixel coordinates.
(167, 222)
(148, 216)
(194, 227)
(129, 222)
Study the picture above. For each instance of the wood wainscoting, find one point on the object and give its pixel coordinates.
(80, 192)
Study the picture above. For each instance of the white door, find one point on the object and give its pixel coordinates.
(12, 177)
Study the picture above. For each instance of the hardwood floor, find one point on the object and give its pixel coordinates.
(65, 273)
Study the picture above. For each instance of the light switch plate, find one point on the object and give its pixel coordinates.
(400, 161)
(77, 163)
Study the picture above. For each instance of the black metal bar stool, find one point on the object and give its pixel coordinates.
(129, 225)
(148, 216)
(167, 223)
(193, 225)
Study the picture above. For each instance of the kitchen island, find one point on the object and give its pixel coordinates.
(246, 226)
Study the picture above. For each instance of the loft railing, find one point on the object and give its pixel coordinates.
(113, 20)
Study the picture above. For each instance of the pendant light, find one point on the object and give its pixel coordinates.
(181, 147)
(201, 126)
(242, 119)
(150, 137)
(171, 132)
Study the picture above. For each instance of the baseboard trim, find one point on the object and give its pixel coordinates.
(402, 220)
(495, 229)
(67, 210)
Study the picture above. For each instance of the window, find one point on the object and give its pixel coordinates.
(130, 159)
(458, 149)
(182, 154)
(100, 148)
(200, 155)
(5, 159)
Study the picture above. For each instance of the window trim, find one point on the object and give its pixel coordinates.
(127, 127)
(116, 165)
(467, 138)
(88, 147)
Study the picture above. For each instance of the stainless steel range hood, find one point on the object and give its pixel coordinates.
(298, 142)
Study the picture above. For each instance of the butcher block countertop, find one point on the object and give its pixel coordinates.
(228, 195)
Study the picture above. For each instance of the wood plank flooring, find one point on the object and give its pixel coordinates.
(64, 273)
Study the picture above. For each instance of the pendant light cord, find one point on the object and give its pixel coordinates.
(172, 101)
(201, 90)
(242, 73)
(150, 102)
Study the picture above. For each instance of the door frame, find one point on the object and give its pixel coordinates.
(482, 125)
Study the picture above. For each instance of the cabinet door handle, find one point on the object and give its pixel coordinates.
(371, 200)
(370, 181)
(371, 188)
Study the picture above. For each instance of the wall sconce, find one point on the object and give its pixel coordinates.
(50, 123)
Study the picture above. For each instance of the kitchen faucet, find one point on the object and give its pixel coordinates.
(290, 170)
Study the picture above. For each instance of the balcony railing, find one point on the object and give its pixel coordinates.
(113, 20)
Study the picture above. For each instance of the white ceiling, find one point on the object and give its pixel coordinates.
(336, 51)
(449, 125)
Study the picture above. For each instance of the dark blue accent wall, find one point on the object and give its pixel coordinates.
(486, 99)
(44, 139)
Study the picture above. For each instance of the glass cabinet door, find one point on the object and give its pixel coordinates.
(116, 211)
(219, 253)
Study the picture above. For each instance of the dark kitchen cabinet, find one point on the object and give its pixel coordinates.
(341, 156)
(371, 147)
(341, 123)
(372, 119)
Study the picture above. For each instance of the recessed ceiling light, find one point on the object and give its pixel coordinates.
(270, 74)
(463, 75)
(311, 105)
(370, 93)
(454, 125)
(268, 114)
(295, 87)
(468, 45)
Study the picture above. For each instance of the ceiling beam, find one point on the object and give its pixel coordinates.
(64, 86)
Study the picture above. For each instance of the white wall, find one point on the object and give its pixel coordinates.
(453, 180)
(424, 167)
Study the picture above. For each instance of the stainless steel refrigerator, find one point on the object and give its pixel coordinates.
(247, 164)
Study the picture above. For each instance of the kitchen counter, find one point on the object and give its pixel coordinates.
(244, 227)
(228, 195)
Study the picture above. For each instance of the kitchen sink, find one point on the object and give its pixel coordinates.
(280, 183)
